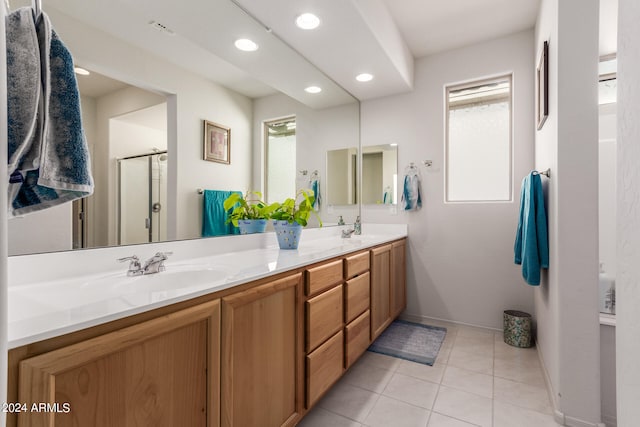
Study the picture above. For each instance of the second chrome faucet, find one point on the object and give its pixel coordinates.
(153, 265)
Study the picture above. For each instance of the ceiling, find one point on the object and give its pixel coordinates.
(96, 85)
(434, 26)
(381, 37)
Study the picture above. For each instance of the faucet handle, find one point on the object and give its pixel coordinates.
(155, 264)
(134, 265)
(164, 255)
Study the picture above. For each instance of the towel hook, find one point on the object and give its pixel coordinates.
(37, 8)
(546, 173)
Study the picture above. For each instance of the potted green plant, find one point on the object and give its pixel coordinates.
(249, 213)
(290, 216)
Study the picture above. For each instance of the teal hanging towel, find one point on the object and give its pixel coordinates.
(214, 217)
(411, 197)
(531, 248)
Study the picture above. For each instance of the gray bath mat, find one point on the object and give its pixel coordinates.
(410, 341)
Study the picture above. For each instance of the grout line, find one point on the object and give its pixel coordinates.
(493, 382)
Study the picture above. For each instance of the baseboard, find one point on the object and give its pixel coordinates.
(558, 415)
(420, 318)
(610, 420)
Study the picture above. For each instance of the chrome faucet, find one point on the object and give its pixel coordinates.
(135, 269)
(346, 234)
(357, 226)
(155, 264)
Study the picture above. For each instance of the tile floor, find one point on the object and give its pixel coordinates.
(477, 380)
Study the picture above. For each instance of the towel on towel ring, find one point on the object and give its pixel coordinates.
(531, 248)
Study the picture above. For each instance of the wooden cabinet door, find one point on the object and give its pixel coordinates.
(380, 289)
(356, 338)
(324, 367)
(262, 355)
(398, 278)
(324, 317)
(163, 372)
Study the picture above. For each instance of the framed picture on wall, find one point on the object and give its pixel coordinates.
(542, 86)
(217, 143)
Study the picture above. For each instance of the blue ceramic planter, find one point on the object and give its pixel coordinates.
(251, 226)
(288, 234)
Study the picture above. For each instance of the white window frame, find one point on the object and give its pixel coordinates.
(470, 84)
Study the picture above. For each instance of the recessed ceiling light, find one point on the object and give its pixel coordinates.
(81, 71)
(364, 77)
(394, 144)
(313, 89)
(246, 45)
(307, 21)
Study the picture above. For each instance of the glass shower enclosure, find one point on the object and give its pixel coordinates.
(142, 195)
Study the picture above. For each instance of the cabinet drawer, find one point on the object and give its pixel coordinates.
(324, 316)
(324, 367)
(356, 296)
(323, 277)
(356, 264)
(357, 338)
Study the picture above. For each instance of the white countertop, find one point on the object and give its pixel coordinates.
(55, 294)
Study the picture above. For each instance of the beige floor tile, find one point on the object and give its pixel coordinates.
(471, 361)
(507, 352)
(464, 406)
(380, 360)
(473, 332)
(390, 412)
(443, 355)
(319, 417)
(424, 372)
(367, 376)
(349, 401)
(411, 390)
(524, 371)
(472, 382)
(506, 415)
(478, 345)
(523, 395)
(439, 420)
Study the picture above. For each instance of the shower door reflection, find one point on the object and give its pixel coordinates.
(142, 195)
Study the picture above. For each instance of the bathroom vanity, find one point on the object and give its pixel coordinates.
(256, 351)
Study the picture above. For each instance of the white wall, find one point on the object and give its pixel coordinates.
(460, 258)
(43, 231)
(316, 132)
(567, 301)
(608, 374)
(628, 216)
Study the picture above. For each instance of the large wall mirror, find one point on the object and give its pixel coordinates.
(380, 174)
(159, 69)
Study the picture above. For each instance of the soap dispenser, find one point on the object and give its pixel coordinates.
(357, 226)
(340, 221)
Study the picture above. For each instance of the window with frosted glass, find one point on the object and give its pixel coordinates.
(280, 140)
(478, 141)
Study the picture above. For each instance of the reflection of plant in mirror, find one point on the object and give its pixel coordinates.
(291, 212)
(249, 206)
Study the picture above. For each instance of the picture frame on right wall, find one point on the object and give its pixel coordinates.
(542, 86)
